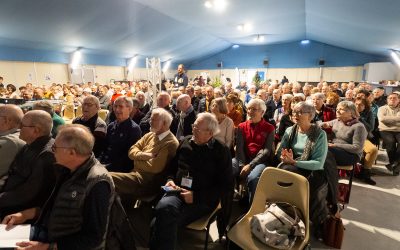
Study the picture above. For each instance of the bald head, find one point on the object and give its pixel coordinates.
(77, 137)
(11, 116)
(183, 102)
(41, 120)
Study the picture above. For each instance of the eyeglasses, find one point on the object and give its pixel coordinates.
(54, 147)
(195, 128)
(298, 113)
(253, 109)
(88, 104)
(25, 126)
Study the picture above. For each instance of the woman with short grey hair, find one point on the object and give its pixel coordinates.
(350, 134)
(303, 150)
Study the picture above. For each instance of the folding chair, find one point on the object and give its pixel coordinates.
(103, 114)
(204, 223)
(69, 113)
(274, 185)
(78, 112)
(345, 188)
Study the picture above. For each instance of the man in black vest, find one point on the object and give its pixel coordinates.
(75, 216)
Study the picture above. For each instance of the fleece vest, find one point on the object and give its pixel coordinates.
(66, 217)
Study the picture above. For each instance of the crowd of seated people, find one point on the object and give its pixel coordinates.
(196, 139)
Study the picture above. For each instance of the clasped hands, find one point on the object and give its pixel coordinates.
(186, 195)
(287, 156)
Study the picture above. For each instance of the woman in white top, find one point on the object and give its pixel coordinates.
(225, 124)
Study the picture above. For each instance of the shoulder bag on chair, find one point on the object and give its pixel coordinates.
(279, 226)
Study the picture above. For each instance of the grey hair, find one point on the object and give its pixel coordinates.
(45, 106)
(165, 115)
(12, 113)
(77, 137)
(210, 120)
(260, 103)
(350, 106)
(319, 96)
(135, 102)
(42, 120)
(221, 105)
(184, 97)
(94, 99)
(127, 100)
(305, 107)
(289, 96)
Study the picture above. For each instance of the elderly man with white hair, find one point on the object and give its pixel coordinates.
(254, 145)
(201, 175)
(151, 154)
(185, 118)
(91, 120)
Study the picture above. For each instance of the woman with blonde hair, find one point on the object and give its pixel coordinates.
(225, 124)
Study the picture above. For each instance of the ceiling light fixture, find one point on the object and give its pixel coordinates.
(166, 65)
(208, 4)
(259, 38)
(217, 5)
(245, 27)
(76, 58)
(132, 63)
(304, 42)
(235, 46)
(395, 57)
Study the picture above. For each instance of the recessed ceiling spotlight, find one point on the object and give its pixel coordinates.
(305, 42)
(208, 4)
(235, 46)
(220, 5)
(217, 5)
(259, 38)
(245, 27)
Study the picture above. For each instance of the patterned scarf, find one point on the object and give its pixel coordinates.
(312, 136)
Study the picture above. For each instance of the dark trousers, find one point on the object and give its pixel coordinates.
(391, 140)
(318, 192)
(343, 157)
(171, 213)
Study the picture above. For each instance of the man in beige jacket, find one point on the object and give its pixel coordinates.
(389, 128)
(151, 156)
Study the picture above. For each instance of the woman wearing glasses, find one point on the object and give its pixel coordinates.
(303, 150)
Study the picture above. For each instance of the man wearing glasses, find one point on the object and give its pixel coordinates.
(77, 212)
(31, 176)
(91, 120)
(200, 177)
(10, 118)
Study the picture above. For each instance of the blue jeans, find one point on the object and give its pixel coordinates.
(252, 178)
(171, 213)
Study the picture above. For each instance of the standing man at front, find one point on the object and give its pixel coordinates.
(180, 78)
(202, 173)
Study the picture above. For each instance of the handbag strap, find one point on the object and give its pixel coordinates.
(296, 216)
